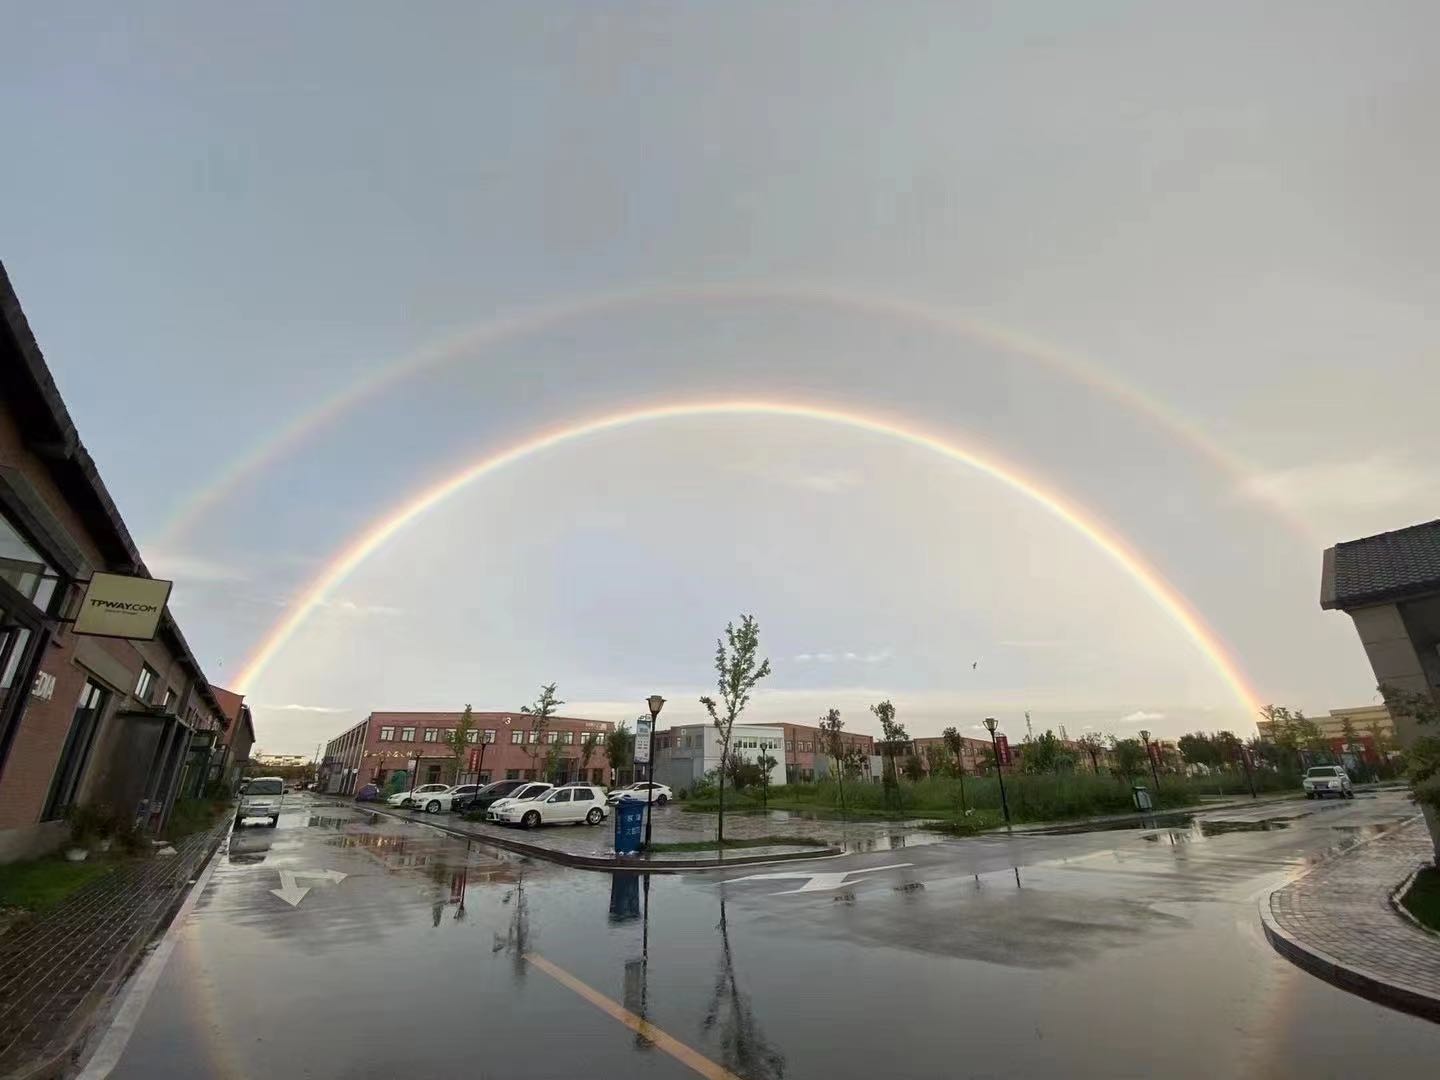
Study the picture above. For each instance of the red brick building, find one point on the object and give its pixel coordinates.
(129, 724)
(503, 745)
(805, 756)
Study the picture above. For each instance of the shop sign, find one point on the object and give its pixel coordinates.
(122, 606)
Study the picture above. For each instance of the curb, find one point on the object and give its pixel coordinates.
(1361, 981)
(618, 864)
(107, 987)
(1404, 912)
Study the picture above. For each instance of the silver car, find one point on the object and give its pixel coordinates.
(1322, 780)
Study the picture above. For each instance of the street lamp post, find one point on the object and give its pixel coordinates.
(999, 771)
(656, 703)
(1153, 772)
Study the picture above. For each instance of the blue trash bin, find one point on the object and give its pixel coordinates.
(629, 826)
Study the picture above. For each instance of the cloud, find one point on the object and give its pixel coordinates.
(877, 657)
(1364, 484)
(305, 708)
(192, 568)
(1031, 643)
(350, 607)
(1140, 716)
(823, 481)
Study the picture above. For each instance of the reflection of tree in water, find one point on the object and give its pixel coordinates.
(743, 1048)
(517, 935)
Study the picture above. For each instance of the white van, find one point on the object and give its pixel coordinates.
(262, 797)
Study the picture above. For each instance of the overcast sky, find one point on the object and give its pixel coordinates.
(219, 217)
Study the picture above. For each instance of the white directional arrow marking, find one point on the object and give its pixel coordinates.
(292, 893)
(817, 882)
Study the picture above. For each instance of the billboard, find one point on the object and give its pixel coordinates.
(121, 606)
(1002, 745)
(643, 726)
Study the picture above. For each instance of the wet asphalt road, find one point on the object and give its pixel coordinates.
(1124, 953)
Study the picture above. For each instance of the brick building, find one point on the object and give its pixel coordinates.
(804, 755)
(83, 719)
(237, 739)
(504, 746)
(975, 754)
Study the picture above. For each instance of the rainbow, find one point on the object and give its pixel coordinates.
(522, 324)
(341, 565)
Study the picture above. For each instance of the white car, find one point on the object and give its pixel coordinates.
(417, 796)
(530, 791)
(1322, 780)
(642, 792)
(262, 797)
(572, 803)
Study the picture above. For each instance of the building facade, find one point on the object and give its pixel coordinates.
(502, 746)
(805, 757)
(83, 720)
(685, 753)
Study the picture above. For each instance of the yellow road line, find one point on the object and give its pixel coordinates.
(672, 1046)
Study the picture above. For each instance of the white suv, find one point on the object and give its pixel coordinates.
(262, 797)
(571, 803)
(1322, 780)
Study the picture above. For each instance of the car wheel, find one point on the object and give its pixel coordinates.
(594, 816)
(531, 819)
(433, 806)
(274, 821)
(661, 800)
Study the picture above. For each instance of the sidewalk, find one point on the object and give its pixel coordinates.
(57, 970)
(1337, 922)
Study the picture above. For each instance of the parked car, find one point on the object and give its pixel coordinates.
(640, 791)
(1322, 780)
(368, 793)
(532, 789)
(445, 800)
(416, 796)
(572, 803)
(489, 794)
(263, 797)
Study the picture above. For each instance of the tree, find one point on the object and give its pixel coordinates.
(1092, 744)
(834, 744)
(620, 748)
(955, 745)
(737, 670)
(458, 740)
(539, 713)
(1127, 757)
(1310, 737)
(893, 738)
(1380, 739)
(1199, 749)
(552, 760)
(588, 746)
(914, 770)
(935, 756)
(1044, 753)
(766, 764)
(1284, 733)
(1422, 756)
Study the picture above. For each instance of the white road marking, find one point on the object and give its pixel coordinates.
(290, 890)
(826, 882)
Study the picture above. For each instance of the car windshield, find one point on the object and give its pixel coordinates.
(265, 787)
(1324, 770)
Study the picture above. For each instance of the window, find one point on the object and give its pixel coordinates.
(449, 734)
(552, 737)
(597, 776)
(532, 736)
(567, 738)
(512, 774)
(472, 735)
(145, 683)
(789, 744)
(22, 568)
(484, 778)
(563, 795)
(387, 734)
(489, 735)
(407, 734)
(432, 734)
(529, 774)
(584, 794)
(71, 769)
(516, 738)
(170, 699)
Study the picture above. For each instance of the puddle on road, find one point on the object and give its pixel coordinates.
(892, 841)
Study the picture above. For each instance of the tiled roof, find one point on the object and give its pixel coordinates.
(1390, 566)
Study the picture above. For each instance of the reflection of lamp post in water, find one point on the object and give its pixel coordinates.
(656, 703)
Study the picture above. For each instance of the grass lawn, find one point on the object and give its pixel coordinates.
(1423, 898)
(757, 841)
(40, 884)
